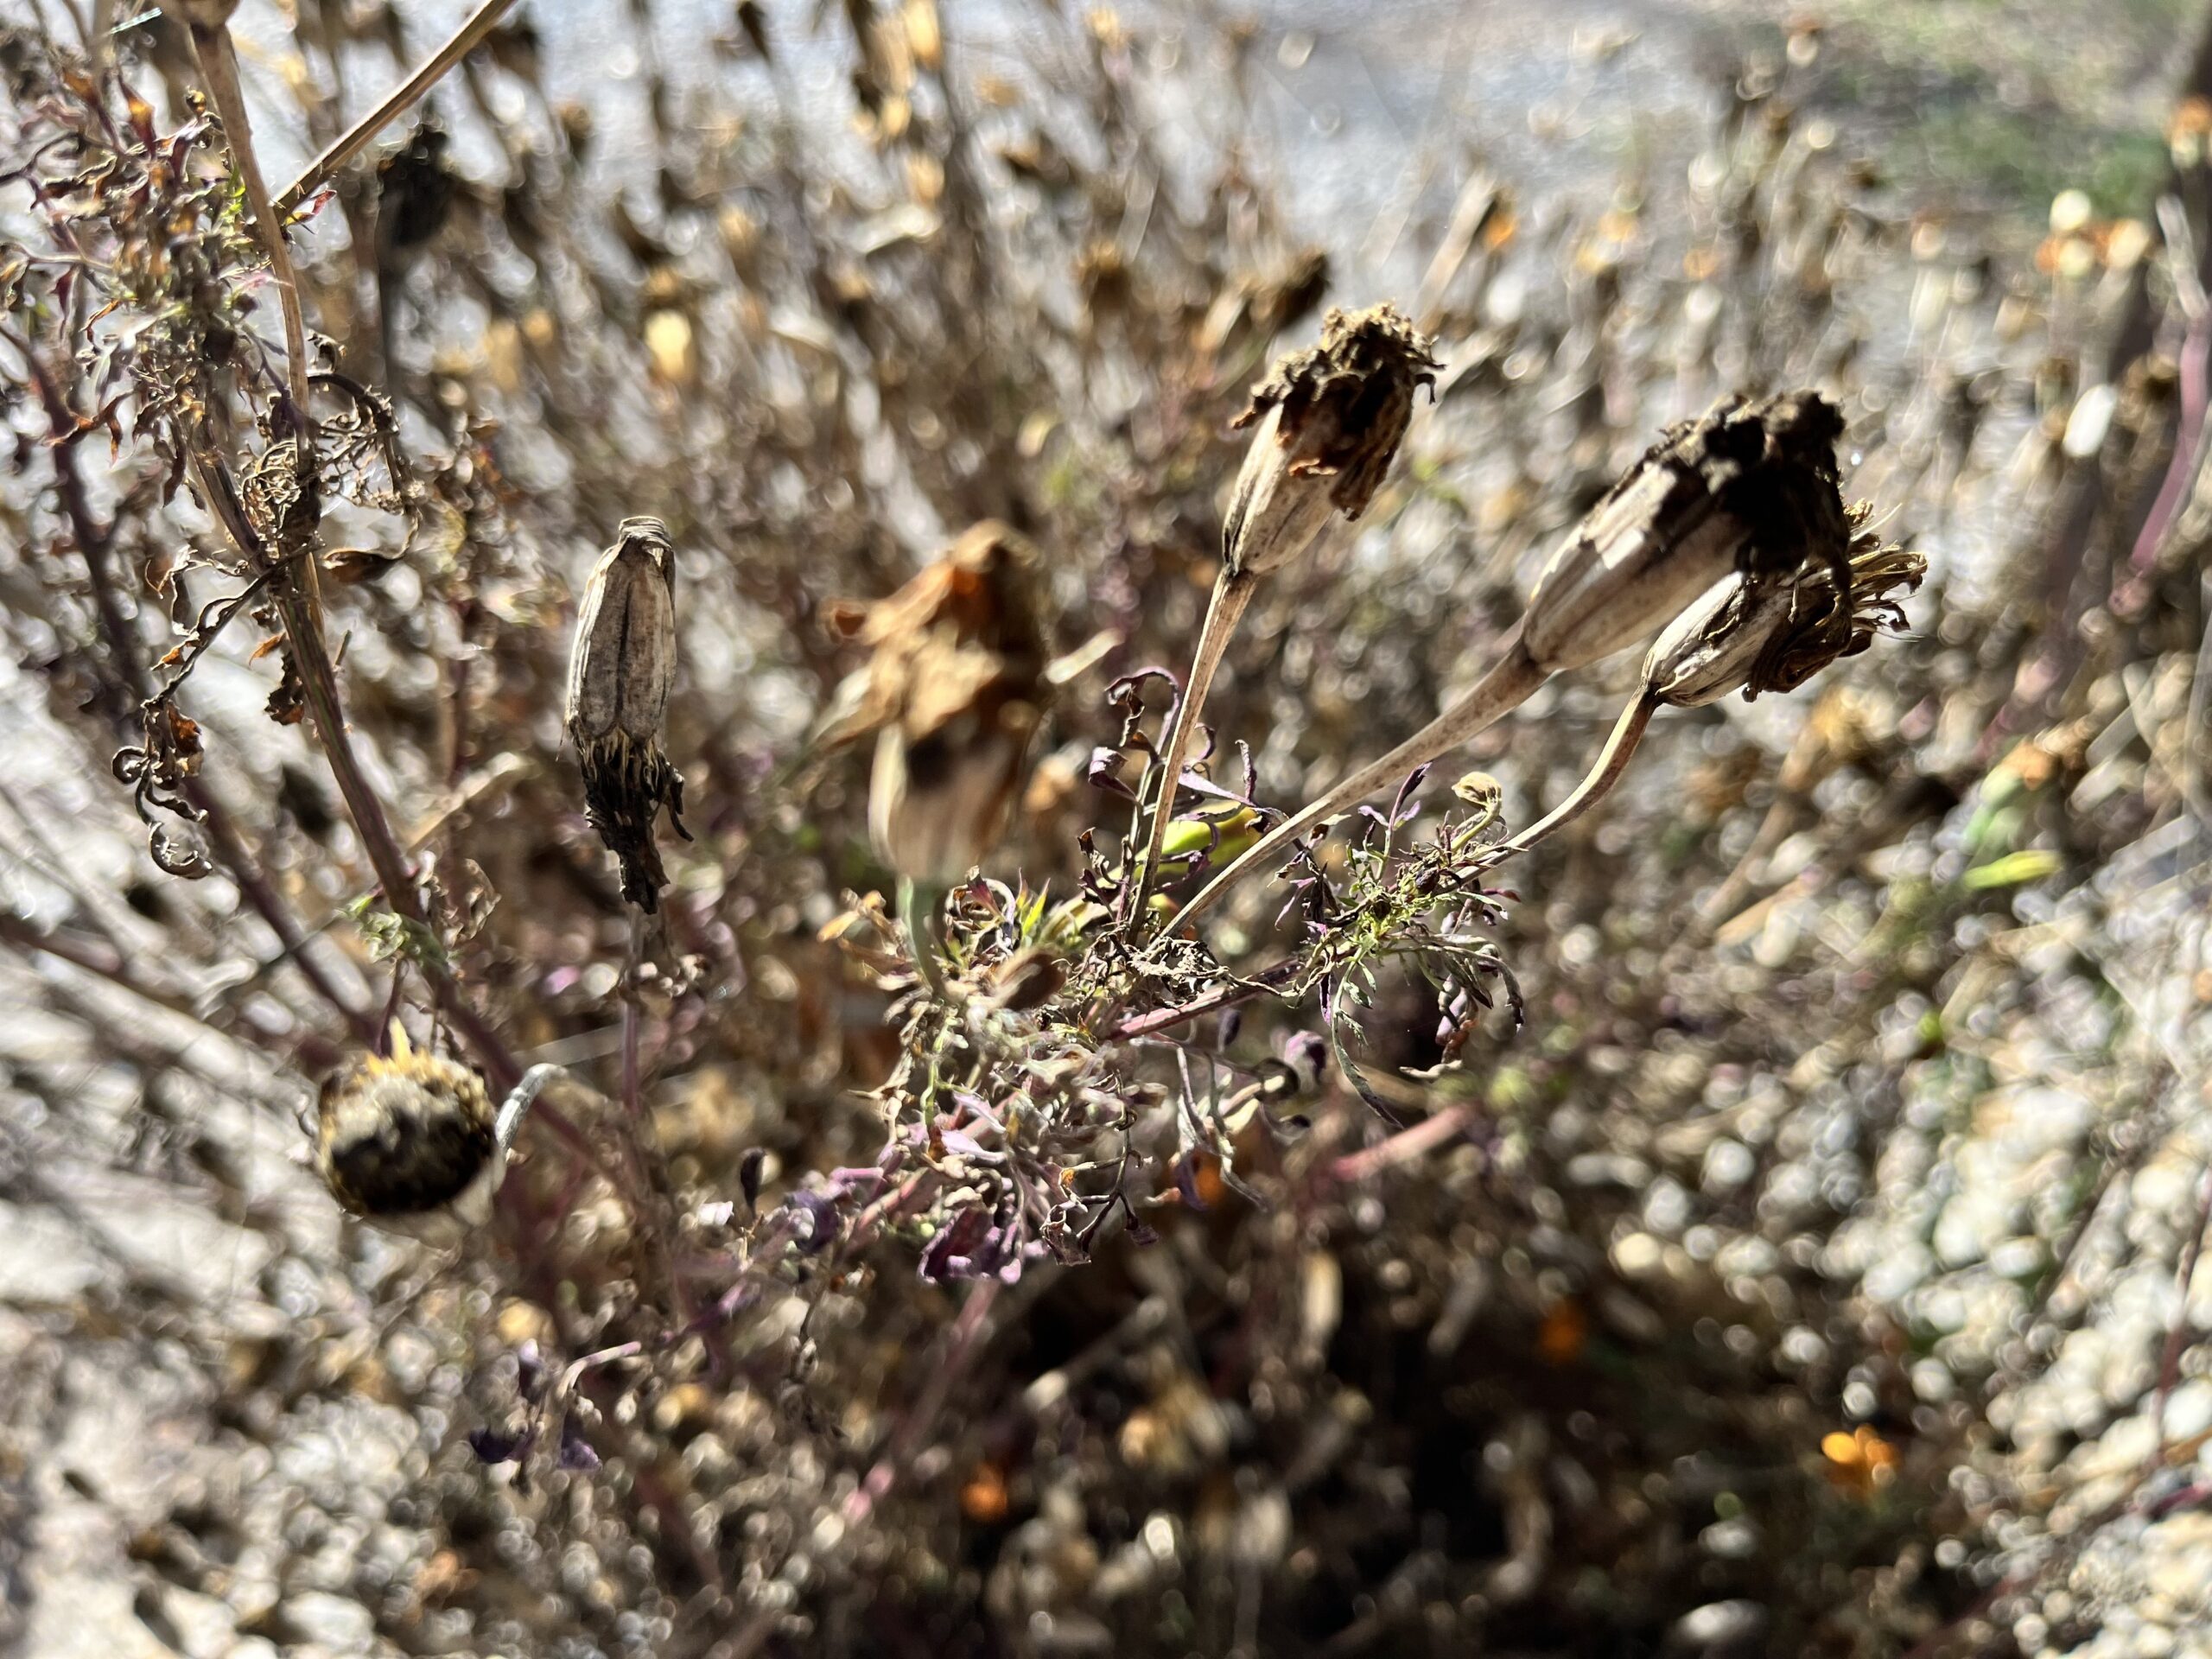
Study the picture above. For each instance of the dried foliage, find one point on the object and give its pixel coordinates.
(1240, 1205)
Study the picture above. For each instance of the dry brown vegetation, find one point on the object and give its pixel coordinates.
(1747, 1205)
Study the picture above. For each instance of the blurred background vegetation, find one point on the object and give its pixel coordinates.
(1814, 1271)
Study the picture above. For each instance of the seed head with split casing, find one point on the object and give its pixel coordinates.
(1750, 633)
(1330, 419)
(620, 672)
(1749, 486)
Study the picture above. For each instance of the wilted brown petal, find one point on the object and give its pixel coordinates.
(956, 689)
(1772, 634)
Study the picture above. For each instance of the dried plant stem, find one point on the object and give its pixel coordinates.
(404, 97)
(93, 540)
(219, 66)
(2178, 1331)
(970, 1328)
(1509, 684)
(1613, 761)
(1413, 1141)
(1232, 596)
(1227, 996)
(654, 1202)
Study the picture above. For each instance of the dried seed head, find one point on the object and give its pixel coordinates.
(956, 690)
(1749, 486)
(1330, 419)
(410, 1142)
(1774, 633)
(619, 675)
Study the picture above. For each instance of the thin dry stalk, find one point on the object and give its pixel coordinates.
(1611, 765)
(219, 66)
(403, 97)
(1510, 682)
(1232, 596)
(93, 542)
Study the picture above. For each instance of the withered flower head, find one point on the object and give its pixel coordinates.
(1749, 486)
(411, 1143)
(1773, 635)
(1330, 418)
(956, 690)
(619, 675)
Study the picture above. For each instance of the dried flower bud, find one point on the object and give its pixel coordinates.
(410, 1142)
(1331, 419)
(619, 676)
(1773, 634)
(956, 690)
(1749, 486)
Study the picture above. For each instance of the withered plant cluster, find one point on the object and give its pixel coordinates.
(1056, 935)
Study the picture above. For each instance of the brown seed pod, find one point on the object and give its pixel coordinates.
(955, 692)
(620, 672)
(410, 1142)
(1748, 487)
(1329, 420)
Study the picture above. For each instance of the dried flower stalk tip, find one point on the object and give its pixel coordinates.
(1749, 486)
(956, 689)
(1773, 635)
(1330, 418)
(619, 677)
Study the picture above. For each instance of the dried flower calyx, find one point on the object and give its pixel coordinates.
(1774, 635)
(955, 692)
(1749, 486)
(619, 677)
(1331, 419)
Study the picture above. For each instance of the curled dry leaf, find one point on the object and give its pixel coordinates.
(954, 693)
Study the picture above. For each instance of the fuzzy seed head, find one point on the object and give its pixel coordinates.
(1329, 421)
(408, 1141)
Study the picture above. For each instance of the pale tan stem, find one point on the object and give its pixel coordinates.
(1232, 596)
(219, 66)
(1620, 748)
(1509, 684)
(357, 138)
